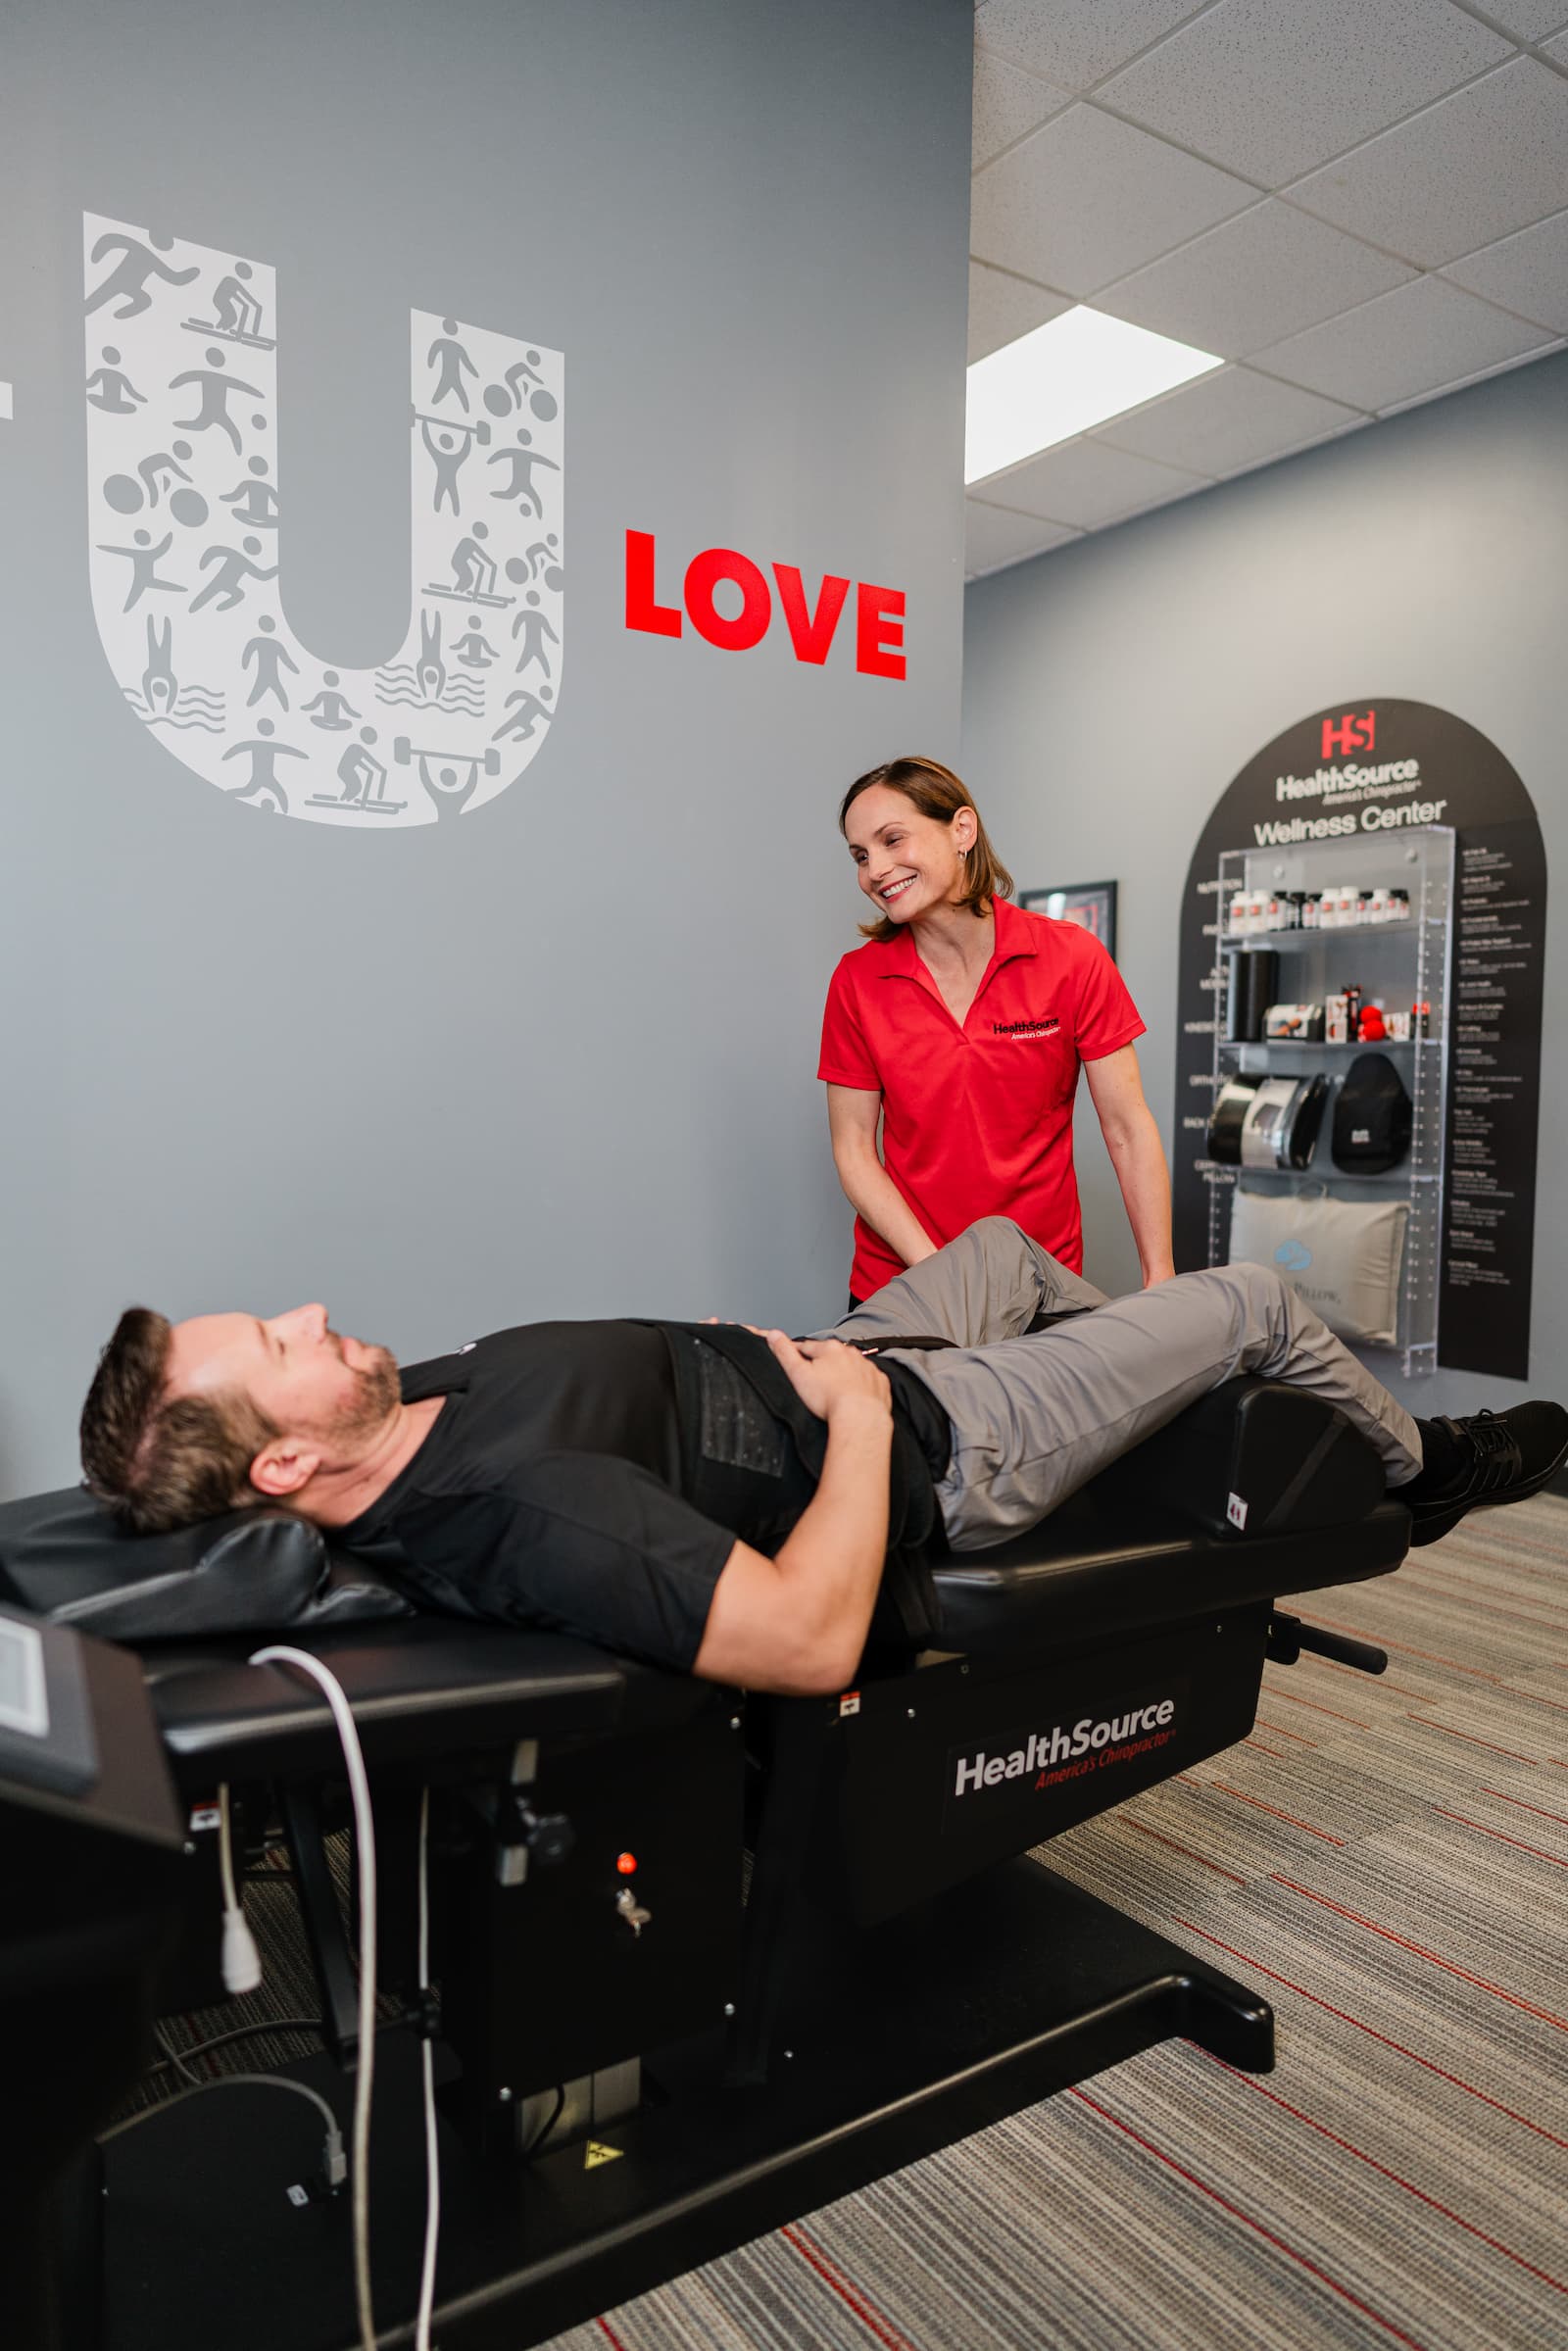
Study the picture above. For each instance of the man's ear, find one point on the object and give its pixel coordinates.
(282, 1469)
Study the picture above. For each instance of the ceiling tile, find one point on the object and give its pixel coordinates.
(1087, 483)
(994, 536)
(1004, 308)
(1265, 274)
(1527, 272)
(1526, 359)
(1088, 199)
(1075, 44)
(1460, 175)
(1528, 20)
(1227, 420)
(1007, 104)
(1417, 339)
(1273, 91)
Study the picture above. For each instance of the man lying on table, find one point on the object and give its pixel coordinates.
(721, 1499)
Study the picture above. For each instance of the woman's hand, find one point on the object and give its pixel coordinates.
(829, 1377)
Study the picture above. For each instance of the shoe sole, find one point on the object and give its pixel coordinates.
(1443, 1520)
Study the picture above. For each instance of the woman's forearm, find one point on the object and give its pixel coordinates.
(875, 1198)
(1138, 1158)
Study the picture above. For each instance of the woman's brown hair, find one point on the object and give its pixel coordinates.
(936, 792)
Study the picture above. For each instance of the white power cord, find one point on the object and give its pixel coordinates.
(334, 2163)
(432, 2167)
(364, 1836)
(241, 1960)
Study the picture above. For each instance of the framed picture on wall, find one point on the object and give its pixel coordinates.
(1092, 905)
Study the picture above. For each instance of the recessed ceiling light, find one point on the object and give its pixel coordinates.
(1062, 378)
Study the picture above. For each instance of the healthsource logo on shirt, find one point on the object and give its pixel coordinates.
(1061, 1753)
(1047, 1025)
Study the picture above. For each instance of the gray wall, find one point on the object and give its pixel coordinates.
(558, 1059)
(1114, 688)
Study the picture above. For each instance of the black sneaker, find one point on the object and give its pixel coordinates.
(1506, 1456)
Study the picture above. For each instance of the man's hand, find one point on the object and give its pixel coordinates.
(827, 1376)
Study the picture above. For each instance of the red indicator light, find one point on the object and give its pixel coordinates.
(626, 1863)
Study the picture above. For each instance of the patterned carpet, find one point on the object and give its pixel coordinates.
(1389, 1860)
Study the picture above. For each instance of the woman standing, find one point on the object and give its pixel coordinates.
(961, 1025)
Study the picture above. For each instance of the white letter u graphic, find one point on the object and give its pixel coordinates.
(186, 524)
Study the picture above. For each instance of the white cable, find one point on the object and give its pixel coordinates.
(364, 1836)
(332, 2161)
(432, 2168)
(241, 1961)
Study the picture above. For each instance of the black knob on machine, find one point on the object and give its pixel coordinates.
(549, 1835)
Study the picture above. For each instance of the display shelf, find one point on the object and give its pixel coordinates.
(1320, 1045)
(1404, 960)
(1398, 928)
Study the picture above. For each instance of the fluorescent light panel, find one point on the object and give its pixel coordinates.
(1064, 378)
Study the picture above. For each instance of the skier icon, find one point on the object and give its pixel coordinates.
(129, 279)
(255, 502)
(271, 658)
(235, 307)
(145, 558)
(532, 626)
(116, 395)
(453, 360)
(162, 468)
(361, 773)
(329, 709)
(474, 650)
(473, 566)
(529, 710)
(237, 312)
(160, 688)
(214, 391)
(362, 777)
(522, 460)
(233, 568)
(449, 450)
(262, 789)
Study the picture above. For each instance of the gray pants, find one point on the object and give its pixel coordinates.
(1035, 1418)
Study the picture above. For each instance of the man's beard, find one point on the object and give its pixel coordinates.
(376, 1395)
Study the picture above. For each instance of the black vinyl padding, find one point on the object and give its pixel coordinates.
(1113, 1560)
(1083, 1578)
(430, 1687)
(252, 1571)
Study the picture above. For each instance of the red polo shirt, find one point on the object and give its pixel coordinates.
(977, 1121)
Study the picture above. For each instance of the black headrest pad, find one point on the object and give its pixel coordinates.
(252, 1571)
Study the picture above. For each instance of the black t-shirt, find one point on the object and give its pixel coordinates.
(592, 1478)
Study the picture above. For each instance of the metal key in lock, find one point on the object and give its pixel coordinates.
(632, 1910)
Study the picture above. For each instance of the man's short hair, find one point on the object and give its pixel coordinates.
(161, 1461)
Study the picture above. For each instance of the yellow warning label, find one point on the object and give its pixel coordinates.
(597, 2153)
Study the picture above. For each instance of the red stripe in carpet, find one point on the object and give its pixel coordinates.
(1241, 1797)
(1214, 2196)
(850, 2295)
(1144, 1830)
(1290, 1698)
(1361, 2026)
(1556, 1861)
(1450, 1966)
(1427, 1724)
(1349, 2147)
(1524, 1807)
